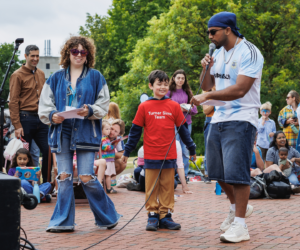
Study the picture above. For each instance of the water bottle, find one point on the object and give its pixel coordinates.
(36, 192)
(218, 189)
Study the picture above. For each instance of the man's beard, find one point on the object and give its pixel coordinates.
(221, 43)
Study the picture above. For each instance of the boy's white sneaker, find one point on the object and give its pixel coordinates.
(235, 233)
(230, 218)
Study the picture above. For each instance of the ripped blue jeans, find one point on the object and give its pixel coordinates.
(63, 217)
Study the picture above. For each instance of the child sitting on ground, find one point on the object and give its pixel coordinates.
(159, 115)
(23, 158)
(110, 133)
(284, 163)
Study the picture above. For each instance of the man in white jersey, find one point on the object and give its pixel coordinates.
(235, 69)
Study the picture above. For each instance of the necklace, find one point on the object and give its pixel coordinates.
(231, 53)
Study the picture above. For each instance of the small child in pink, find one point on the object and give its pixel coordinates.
(108, 154)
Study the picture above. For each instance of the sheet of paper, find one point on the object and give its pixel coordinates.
(213, 103)
(185, 106)
(71, 113)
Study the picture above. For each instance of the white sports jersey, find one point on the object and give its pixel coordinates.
(248, 61)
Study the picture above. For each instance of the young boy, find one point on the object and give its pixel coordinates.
(266, 129)
(158, 115)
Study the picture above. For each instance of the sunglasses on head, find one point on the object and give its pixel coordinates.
(212, 32)
(75, 52)
(265, 110)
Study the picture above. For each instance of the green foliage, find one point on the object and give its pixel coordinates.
(116, 35)
(6, 52)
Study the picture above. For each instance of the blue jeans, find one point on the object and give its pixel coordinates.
(294, 179)
(206, 129)
(185, 151)
(45, 188)
(35, 153)
(64, 213)
(229, 151)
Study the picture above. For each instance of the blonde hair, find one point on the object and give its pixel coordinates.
(105, 122)
(121, 125)
(266, 105)
(295, 94)
(113, 111)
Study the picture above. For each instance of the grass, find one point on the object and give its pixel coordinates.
(130, 161)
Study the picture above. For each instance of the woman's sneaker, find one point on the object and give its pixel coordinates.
(168, 223)
(235, 233)
(153, 219)
(230, 218)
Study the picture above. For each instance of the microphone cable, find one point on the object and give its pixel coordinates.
(158, 173)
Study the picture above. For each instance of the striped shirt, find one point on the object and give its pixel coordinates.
(108, 150)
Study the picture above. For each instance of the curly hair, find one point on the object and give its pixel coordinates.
(186, 87)
(86, 42)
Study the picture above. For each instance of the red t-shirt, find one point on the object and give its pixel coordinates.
(159, 118)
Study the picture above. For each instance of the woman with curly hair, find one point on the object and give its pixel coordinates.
(181, 93)
(77, 85)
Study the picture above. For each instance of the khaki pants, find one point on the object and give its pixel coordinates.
(164, 191)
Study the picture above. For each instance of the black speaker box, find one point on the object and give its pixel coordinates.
(10, 210)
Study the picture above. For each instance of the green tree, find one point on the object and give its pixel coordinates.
(178, 40)
(6, 52)
(116, 35)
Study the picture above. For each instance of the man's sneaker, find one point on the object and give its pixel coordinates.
(134, 187)
(230, 218)
(235, 233)
(46, 199)
(153, 219)
(168, 223)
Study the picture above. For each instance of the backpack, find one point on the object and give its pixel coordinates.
(11, 149)
(278, 185)
(279, 188)
(258, 187)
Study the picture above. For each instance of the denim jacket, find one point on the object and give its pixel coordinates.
(92, 90)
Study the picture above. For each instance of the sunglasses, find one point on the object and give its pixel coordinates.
(265, 110)
(75, 52)
(212, 32)
(288, 97)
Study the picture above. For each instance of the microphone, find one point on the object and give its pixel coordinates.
(212, 47)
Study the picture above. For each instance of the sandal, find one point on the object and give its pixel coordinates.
(111, 191)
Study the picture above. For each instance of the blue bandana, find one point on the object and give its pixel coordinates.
(225, 19)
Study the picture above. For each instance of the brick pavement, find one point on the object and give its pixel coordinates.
(275, 224)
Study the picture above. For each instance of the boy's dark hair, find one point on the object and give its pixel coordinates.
(283, 150)
(30, 48)
(158, 74)
(24, 151)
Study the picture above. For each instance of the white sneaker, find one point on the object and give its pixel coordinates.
(230, 218)
(235, 233)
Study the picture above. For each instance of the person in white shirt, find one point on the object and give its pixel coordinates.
(235, 69)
